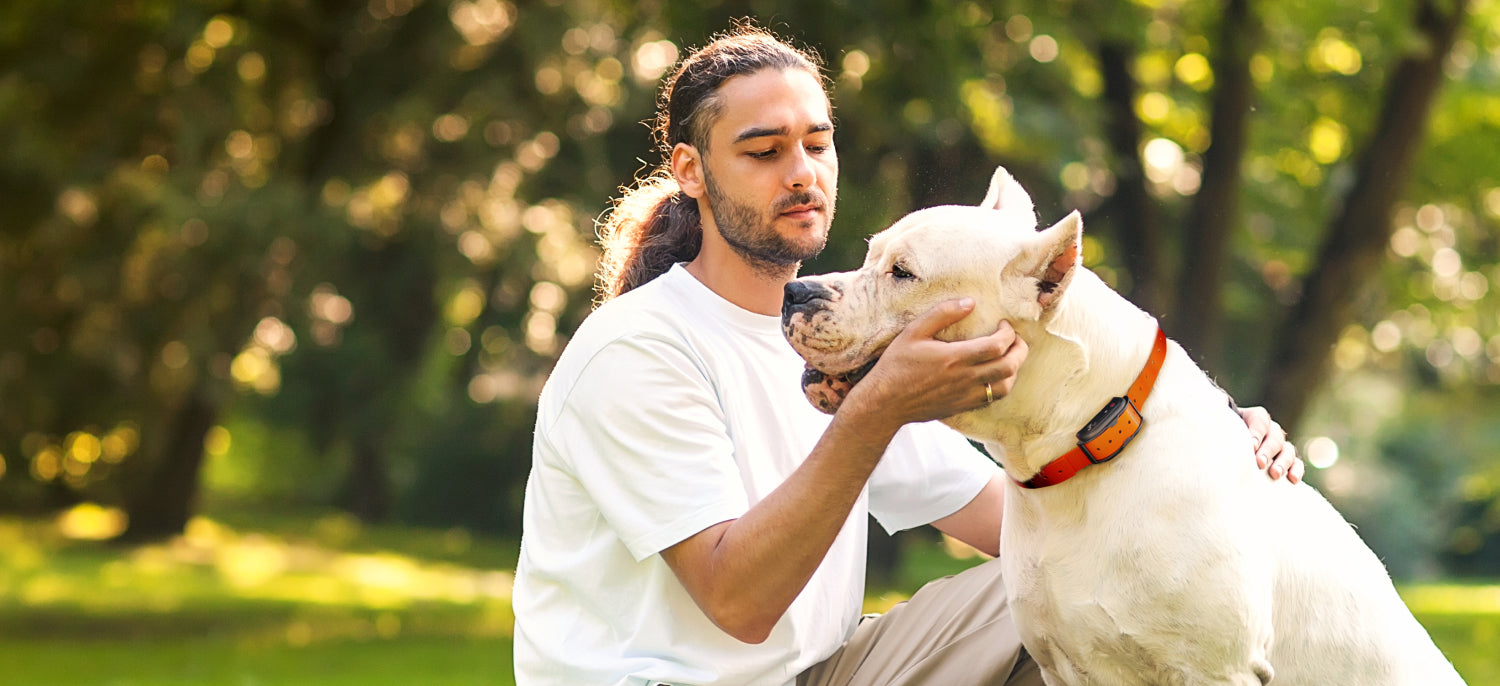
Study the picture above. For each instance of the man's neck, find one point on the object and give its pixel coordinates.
(754, 287)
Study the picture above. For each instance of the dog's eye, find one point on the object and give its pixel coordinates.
(900, 273)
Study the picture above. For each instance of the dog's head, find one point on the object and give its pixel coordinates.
(993, 253)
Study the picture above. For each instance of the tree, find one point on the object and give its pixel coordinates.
(1355, 241)
(369, 224)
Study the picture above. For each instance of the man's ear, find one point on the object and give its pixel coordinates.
(687, 168)
(1052, 258)
(1006, 194)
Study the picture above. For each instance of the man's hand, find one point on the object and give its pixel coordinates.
(1271, 447)
(921, 378)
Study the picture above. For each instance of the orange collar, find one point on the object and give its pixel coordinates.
(1109, 431)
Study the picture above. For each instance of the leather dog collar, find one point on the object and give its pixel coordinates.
(1109, 431)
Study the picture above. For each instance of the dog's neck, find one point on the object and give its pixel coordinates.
(1088, 350)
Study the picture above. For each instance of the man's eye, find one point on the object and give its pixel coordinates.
(819, 149)
(763, 154)
(900, 272)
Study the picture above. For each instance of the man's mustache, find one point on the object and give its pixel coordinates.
(813, 197)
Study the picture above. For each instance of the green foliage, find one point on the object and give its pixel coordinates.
(363, 230)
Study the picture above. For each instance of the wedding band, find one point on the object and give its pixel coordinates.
(989, 394)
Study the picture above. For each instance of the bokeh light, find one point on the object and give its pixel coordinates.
(1322, 452)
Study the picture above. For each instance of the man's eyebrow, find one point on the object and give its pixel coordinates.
(761, 132)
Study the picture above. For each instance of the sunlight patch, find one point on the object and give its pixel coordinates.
(91, 522)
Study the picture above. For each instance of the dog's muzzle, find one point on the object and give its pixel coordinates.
(801, 304)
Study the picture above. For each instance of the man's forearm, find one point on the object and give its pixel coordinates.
(745, 573)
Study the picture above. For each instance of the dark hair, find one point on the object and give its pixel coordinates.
(655, 225)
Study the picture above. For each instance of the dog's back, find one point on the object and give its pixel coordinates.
(1336, 616)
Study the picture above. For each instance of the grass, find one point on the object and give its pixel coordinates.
(270, 599)
(296, 601)
(217, 660)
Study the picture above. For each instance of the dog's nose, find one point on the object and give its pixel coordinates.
(803, 296)
(797, 293)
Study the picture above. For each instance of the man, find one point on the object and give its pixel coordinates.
(690, 518)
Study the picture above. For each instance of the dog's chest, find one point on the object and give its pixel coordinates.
(1071, 632)
(1096, 590)
(1082, 641)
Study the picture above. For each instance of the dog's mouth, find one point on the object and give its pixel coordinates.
(827, 391)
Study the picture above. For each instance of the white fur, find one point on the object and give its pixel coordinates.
(1179, 562)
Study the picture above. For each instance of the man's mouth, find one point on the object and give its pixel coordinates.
(802, 212)
(827, 391)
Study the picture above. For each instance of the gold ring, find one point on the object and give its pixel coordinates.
(989, 394)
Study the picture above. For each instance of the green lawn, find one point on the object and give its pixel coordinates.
(219, 660)
(321, 600)
(292, 600)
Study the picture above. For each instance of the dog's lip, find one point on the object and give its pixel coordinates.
(852, 376)
(812, 374)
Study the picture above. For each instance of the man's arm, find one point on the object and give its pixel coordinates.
(745, 573)
(978, 523)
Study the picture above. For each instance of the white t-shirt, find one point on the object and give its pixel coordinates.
(672, 410)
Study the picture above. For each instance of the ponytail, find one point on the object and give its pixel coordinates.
(654, 226)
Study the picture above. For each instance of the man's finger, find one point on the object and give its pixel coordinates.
(1287, 458)
(991, 347)
(940, 317)
(1268, 450)
(1002, 371)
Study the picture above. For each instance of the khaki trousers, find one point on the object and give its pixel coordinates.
(956, 631)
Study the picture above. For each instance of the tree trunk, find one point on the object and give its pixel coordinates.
(1132, 208)
(394, 281)
(1355, 244)
(162, 506)
(367, 487)
(1211, 218)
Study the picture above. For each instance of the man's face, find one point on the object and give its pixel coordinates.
(770, 171)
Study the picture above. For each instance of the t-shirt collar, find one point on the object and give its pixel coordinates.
(739, 317)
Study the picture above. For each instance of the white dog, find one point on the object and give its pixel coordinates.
(1175, 562)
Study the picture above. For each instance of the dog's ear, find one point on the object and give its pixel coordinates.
(1051, 259)
(1006, 194)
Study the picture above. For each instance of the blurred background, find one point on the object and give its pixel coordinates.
(280, 282)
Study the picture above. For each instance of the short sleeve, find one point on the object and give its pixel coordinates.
(929, 472)
(642, 431)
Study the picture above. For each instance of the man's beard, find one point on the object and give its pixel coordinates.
(754, 239)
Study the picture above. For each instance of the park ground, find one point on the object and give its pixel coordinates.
(318, 599)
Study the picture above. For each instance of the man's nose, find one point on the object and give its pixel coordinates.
(801, 175)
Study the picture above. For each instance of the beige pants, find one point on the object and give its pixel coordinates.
(955, 631)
